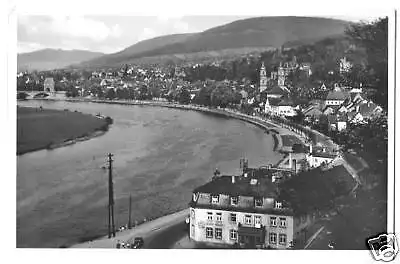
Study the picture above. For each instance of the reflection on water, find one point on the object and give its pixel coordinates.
(160, 156)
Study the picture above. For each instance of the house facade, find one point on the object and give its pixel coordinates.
(240, 210)
(317, 159)
(48, 85)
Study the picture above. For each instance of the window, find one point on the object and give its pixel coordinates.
(272, 238)
(192, 214)
(282, 222)
(209, 232)
(219, 217)
(258, 202)
(282, 239)
(234, 201)
(272, 221)
(215, 199)
(233, 234)
(209, 216)
(278, 205)
(218, 233)
(258, 241)
(233, 218)
(257, 220)
(247, 219)
(192, 231)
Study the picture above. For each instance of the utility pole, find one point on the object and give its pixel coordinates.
(130, 212)
(111, 225)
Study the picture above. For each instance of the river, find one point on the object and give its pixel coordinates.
(160, 156)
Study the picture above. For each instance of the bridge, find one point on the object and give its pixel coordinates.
(43, 94)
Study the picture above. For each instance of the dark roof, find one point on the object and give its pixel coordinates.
(277, 90)
(316, 189)
(241, 187)
(323, 155)
(337, 95)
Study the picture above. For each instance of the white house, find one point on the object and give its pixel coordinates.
(282, 108)
(317, 159)
(336, 97)
(243, 210)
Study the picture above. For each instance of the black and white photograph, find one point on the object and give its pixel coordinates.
(141, 128)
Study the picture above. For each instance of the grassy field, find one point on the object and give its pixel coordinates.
(38, 129)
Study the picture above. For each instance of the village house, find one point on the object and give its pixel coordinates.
(336, 97)
(48, 85)
(281, 107)
(316, 159)
(241, 210)
(344, 65)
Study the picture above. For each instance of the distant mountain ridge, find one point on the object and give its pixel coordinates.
(138, 48)
(48, 59)
(238, 36)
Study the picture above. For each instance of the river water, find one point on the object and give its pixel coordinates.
(160, 156)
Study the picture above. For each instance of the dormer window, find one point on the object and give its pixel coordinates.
(234, 200)
(215, 199)
(258, 202)
(278, 205)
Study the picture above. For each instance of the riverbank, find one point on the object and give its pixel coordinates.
(39, 129)
(268, 126)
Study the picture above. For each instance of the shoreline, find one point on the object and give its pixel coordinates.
(69, 141)
(268, 126)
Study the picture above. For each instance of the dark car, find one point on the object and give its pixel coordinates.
(138, 242)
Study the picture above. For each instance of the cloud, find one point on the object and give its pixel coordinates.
(147, 33)
(69, 27)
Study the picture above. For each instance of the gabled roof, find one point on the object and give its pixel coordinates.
(367, 109)
(337, 95)
(278, 90)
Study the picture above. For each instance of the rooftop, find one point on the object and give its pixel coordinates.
(242, 186)
(337, 95)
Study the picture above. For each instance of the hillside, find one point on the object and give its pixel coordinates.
(48, 59)
(261, 32)
(140, 47)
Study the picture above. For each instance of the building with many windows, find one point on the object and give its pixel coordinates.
(242, 210)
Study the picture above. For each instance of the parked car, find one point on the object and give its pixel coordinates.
(138, 242)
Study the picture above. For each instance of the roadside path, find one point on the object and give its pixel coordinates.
(145, 230)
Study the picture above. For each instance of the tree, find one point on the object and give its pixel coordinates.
(374, 38)
(110, 94)
(183, 96)
(222, 96)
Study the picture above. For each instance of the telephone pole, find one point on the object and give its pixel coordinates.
(111, 225)
(130, 212)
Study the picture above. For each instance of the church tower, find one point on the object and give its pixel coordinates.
(263, 78)
(281, 75)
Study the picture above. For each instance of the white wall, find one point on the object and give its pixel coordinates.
(199, 222)
(315, 162)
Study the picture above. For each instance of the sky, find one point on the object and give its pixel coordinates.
(110, 26)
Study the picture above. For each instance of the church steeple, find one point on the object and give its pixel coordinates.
(263, 78)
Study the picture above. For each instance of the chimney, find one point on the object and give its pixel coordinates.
(290, 160)
(310, 148)
(233, 179)
(358, 108)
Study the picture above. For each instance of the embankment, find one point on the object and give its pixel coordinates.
(49, 129)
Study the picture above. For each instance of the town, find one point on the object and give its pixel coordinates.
(326, 119)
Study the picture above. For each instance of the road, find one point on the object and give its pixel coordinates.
(162, 232)
(166, 237)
